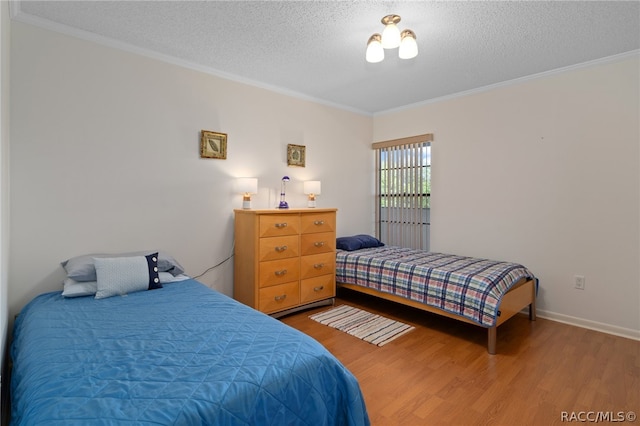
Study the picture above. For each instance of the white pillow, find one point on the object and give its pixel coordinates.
(73, 288)
(123, 275)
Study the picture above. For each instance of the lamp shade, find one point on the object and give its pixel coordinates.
(408, 46)
(390, 37)
(391, 33)
(375, 52)
(311, 187)
(247, 185)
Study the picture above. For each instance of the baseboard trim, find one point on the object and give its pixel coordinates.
(591, 325)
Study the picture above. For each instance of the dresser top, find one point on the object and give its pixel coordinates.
(284, 211)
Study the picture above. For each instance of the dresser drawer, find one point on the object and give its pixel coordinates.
(273, 248)
(317, 264)
(318, 222)
(279, 297)
(317, 288)
(277, 225)
(279, 271)
(321, 242)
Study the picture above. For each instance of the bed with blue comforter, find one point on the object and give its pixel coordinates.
(183, 354)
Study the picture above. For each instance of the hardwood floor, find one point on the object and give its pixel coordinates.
(441, 373)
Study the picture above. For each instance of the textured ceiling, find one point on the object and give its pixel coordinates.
(315, 49)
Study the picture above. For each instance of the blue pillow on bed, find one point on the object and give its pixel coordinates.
(123, 275)
(357, 242)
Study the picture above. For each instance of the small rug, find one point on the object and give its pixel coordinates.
(364, 325)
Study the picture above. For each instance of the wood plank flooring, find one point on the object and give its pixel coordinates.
(441, 373)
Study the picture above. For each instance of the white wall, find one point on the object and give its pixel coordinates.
(544, 172)
(105, 158)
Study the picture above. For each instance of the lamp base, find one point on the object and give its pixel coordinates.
(283, 205)
(311, 203)
(246, 204)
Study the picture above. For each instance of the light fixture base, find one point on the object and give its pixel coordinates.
(375, 37)
(246, 201)
(407, 33)
(390, 19)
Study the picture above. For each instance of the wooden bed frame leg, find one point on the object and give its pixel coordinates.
(492, 335)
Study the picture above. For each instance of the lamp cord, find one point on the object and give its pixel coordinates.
(218, 264)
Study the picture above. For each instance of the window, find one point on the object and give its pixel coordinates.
(403, 191)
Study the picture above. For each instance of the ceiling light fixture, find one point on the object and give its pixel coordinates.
(390, 39)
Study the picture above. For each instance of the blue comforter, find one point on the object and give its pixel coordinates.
(183, 354)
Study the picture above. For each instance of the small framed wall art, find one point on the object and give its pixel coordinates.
(213, 145)
(295, 155)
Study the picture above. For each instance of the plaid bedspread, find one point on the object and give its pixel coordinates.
(466, 286)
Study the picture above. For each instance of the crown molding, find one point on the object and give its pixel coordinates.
(606, 60)
(46, 24)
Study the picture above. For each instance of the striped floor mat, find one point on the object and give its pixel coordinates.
(364, 325)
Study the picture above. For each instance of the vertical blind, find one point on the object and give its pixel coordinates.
(403, 188)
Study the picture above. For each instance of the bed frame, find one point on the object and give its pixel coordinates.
(520, 296)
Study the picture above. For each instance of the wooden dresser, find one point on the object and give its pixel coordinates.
(285, 260)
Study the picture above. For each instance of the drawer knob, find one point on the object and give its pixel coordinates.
(318, 265)
(280, 273)
(319, 288)
(319, 243)
(281, 225)
(280, 249)
(279, 298)
(318, 222)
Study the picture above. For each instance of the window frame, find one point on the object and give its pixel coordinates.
(408, 210)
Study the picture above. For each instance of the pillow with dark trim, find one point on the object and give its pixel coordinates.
(82, 268)
(123, 275)
(357, 242)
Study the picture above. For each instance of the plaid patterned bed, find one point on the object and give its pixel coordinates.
(465, 286)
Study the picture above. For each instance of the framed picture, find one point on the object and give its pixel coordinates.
(295, 155)
(213, 145)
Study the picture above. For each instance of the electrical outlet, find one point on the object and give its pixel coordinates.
(578, 282)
